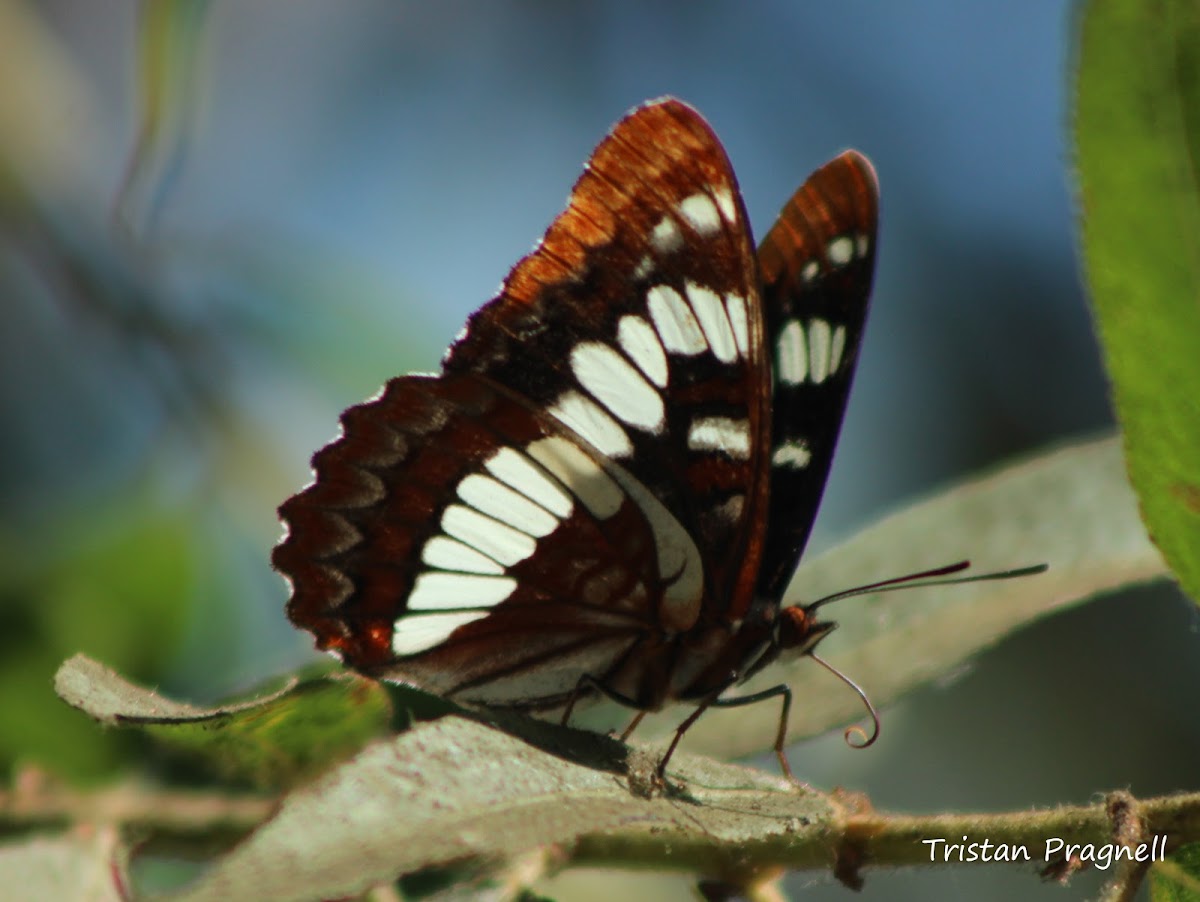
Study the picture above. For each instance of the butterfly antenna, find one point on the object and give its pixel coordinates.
(856, 736)
(862, 740)
(929, 578)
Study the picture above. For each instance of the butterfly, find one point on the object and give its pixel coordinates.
(608, 486)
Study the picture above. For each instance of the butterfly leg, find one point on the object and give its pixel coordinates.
(628, 731)
(713, 699)
(683, 728)
(781, 734)
(587, 681)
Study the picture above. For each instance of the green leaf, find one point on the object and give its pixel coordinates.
(1178, 878)
(272, 741)
(1137, 136)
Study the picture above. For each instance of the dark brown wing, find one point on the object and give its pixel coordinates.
(637, 321)
(817, 264)
(457, 538)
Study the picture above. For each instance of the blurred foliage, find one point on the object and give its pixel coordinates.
(152, 382)
(169, 82)
(141, 556)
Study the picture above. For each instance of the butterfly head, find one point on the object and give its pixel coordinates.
(798, 631)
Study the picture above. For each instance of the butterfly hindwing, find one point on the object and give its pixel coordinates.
(413, 562)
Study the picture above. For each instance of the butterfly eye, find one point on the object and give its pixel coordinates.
(798, 631)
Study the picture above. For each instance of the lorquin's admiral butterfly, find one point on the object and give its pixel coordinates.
(607, 488)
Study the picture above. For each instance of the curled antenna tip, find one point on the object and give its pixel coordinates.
(856, 737)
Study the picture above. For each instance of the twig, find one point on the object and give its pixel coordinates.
(38, 802)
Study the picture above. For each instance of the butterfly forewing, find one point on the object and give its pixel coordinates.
(816, 265)
(637, 322)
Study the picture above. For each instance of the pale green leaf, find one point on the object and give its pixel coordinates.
(1137, 137)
